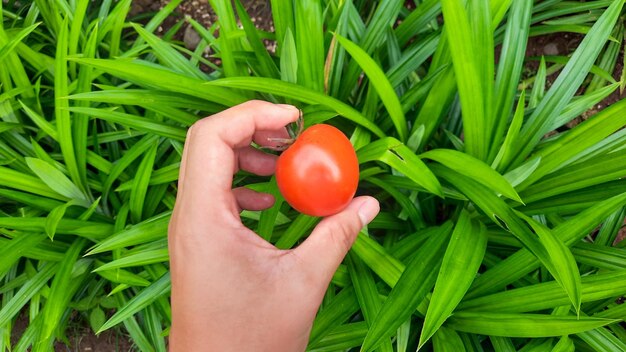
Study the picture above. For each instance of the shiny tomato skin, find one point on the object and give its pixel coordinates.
(319, 173)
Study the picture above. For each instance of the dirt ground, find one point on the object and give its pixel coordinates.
(81, 338)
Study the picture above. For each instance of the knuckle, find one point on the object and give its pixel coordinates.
(203, 129)
(200, 126)
(344, 242)
(342, 232)
(254, 103)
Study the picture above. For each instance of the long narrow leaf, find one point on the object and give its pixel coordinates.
(460, 264)
(380, 83)
(523, 325)
(415, 282)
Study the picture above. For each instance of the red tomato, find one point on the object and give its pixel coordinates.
(319, 173)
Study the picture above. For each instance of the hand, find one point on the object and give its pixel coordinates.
(232, 290)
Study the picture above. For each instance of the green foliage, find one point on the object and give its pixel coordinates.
(498, 223)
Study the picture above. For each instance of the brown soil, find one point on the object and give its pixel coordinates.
(621, 236)
(201, 11)
(81, 338)
(565, 44)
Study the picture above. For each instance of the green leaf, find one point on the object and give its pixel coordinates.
(136, 122)
(523, 172)
(146, 231)
(468, 78)
(12, 251)
(42, 123)
(410, 210)
(523, 325)
(283, 16)
(416, 280)
(522, 262)
(600, 256)
(78, 16)
(116, 21)
(369, 38)
(8, 47)
(566, 85)
(136, 259)
(595, 171)
(339, 310)
(447, 340)
(366, 292)
(268, 67)
(581, 104)
(417, 20)
(542, 296)
(267, 221)
(229, 43)
(56, 180)
(610, 229)
(158, 18)
(96, 318)
(378, 260)
(166, 174)
(296, 230)
(56, 214)
(63, 119)
(505, 152)
(461, 262)
(474, 168)
(395, 154)
(297, 92)
(24, 182)
(131, 154)
(480, 19)
(147, 98)
(565, 344)
(380, 82)
(60, 293)
(25, 293)
(539, 85)
(163, 79)
(563, 260)
(502, 344)
(169, 56)
(141, 183)
(123, 277)
(80, 123)
(602, 340)
(510, 70)
(7, 126)
(412, 59)
(309, 36)
(288, 58)
(341, 338)
(403, 336)
(140, 301)
(498, 211)
(578, 139)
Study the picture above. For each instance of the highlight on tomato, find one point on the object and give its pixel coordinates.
(319, 173)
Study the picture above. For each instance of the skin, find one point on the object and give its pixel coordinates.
(232, 290)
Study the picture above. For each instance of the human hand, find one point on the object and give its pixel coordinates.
(232, 290)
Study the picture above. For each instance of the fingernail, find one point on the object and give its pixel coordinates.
(287, 107)
(368, 210)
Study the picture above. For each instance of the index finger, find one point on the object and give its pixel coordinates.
(236, 126)
(210, 159)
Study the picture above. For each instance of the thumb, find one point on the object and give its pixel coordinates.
(331, 239)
